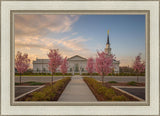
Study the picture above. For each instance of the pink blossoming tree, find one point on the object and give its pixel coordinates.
(55, 61)
(138, 66)
(21, 63)
(104, 64)
(90, 66)
(64, 66)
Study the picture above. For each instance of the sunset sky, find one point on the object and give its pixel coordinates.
(80, 35)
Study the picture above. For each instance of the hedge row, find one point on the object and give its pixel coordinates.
(116, 74)
(49, 92)
(49, 74)
(103, 93)
(126, 74)
(89, 74)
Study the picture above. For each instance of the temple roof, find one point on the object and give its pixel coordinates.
(108, 37)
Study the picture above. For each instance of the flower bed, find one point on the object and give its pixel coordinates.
(49, 92)
(103, 93)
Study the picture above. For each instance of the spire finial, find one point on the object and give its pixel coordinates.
(108, 37)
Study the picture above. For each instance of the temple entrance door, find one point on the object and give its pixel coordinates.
(76, 68)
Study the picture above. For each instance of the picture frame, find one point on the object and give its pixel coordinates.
(149, 8)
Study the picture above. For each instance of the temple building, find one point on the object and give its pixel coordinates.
(108, 51)
(76, 64)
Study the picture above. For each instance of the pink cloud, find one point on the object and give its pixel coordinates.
(39, 25)
(31, 31)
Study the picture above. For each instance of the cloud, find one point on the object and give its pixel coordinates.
(39, 25)
(68, 46)
(31, 36)
(73, 44)
(75, 33)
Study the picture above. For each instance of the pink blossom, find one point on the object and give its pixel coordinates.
(55, 61)
(64, 66)
(22, 62)
(90, 66)
(104, 63)
(138, 65)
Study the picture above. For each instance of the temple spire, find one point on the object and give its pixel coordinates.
(108, 37)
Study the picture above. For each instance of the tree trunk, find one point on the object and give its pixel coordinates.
(103, 80)
(137, 78)
(52, 78)
(20, 78)
(52, 81)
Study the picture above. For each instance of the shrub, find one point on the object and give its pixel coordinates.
(132, 83)
(39, 96)
(17, 83)
(113, 74)
(49, 92)
(107, 94)
(110, 74)
(119, 98)
(93, 74)
(101, 90)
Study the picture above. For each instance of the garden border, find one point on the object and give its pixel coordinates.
(22, 95)
(138, 98)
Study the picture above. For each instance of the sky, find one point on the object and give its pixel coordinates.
(82, 35)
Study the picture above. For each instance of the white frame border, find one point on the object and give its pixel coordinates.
(153, 109)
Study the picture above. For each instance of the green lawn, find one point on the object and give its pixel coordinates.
(31, 83)
(132, 83)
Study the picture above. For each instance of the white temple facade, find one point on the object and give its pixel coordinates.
(76, 64)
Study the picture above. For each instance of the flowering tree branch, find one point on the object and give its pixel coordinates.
(21, 63)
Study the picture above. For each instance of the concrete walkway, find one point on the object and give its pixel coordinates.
(77, 91)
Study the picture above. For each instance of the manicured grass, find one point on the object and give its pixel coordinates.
(87, 74)
(34, 83)
(49, 92)
(126, 74)
(112, 81)
(103, 93)
(30, 83)
(17, 84)
(132, 83)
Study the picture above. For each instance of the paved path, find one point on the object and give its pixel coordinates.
(77, 91)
